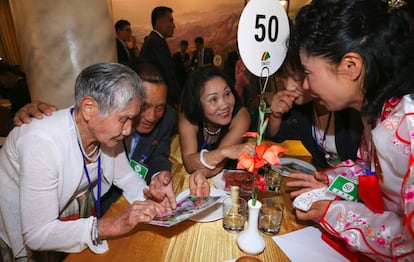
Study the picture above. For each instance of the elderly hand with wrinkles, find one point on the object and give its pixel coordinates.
(36, 109)
(161, 190)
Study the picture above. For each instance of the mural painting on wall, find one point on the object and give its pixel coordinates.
(214, 20)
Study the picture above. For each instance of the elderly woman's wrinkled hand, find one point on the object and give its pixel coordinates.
(138, 212)
(306, 182)
(161, 190)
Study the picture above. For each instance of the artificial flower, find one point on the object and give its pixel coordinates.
(271, 155)
(261, 156)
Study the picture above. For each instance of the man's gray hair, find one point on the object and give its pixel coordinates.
(112, 85)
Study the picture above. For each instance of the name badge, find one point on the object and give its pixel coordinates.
(139, 169)
(344, 188)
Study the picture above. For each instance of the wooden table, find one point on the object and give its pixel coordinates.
(187, 241)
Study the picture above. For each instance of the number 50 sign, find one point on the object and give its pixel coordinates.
(263, 36)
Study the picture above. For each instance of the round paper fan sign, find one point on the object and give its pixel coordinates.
(263, 36)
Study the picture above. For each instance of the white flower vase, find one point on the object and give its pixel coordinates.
(250, 240)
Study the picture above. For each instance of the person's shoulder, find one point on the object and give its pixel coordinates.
(59, 115)
(153, 36)
(170, 114)
(55, 125)
(242, 114)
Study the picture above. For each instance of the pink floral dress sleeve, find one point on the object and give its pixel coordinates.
(389, 235)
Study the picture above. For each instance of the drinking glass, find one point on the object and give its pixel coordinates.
(234, 214)
(271, 215)
(273, 181)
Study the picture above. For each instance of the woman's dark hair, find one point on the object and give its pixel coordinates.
(381, 34)
(291, 65)
(194, 86)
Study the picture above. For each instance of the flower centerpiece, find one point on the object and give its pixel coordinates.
(262, 155)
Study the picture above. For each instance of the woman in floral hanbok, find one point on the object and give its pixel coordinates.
(360, 54)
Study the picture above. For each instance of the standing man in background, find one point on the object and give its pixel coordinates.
(202, 57)
(155, 50)
(124, 34)
(182, 62)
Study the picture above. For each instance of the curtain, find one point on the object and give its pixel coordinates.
(9, 47)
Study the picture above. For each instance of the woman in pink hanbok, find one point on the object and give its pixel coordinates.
(360, 54)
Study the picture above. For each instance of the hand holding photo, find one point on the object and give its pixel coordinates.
(186, 208)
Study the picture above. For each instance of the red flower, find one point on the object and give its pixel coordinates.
(260, 183)
(262, 154)
(245, 161)
(271, 155)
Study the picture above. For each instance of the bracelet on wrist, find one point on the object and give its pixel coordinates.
(203, 161)
(95, 232)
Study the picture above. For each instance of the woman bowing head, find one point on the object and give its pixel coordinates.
(55, 170)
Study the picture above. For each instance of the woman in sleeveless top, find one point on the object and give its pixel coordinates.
(212, 123)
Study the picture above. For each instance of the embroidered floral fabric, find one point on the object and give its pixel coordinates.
(390, 235)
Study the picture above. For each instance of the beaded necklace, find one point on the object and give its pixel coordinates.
(209, 137)
(86, 155)
(212, 133)
(98, 157)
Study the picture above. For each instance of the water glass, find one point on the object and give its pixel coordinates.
(234, 214)
(273, 181)
(271, 215)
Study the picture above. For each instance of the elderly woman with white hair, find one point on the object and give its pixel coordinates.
(54, 171)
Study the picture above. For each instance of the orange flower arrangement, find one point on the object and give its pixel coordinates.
(262, 154)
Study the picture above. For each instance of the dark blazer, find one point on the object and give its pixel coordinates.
(123, 57)
(156, 147)
(297, 124)
(207, 59)
(155, 50)
(181, 69)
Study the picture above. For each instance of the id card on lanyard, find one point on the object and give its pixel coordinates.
(139, 168)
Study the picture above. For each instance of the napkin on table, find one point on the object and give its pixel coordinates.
(307, 245)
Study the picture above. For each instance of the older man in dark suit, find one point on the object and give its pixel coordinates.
(148, 148)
